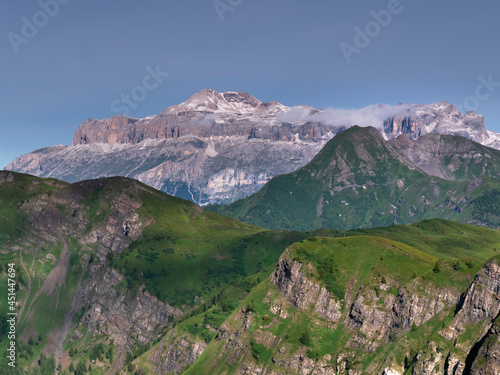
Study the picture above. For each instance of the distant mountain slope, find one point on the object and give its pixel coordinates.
(221, 147)
(360, 180)
(450, 157)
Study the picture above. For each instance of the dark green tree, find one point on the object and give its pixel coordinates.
(436, 268)
(81, 369)
(305, 339)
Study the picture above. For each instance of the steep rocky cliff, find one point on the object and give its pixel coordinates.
(440, 118)
(473, 328)
(206, 114)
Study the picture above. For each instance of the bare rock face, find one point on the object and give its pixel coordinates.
(414, 304)
(6, 178)
(440, 118)
(112, 312)
(448, 157)
(373, 318)
(481, 304)
(213, 148)
(207, 113)
(479, 308)
(175, 352)
(488, 359)
(303, 293)
(395, 315)
(455, 365)
(301, 364)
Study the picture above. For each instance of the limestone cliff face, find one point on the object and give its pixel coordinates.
(126, 130)
(303, 293)
(191, 149)
(415, 303)
(441, 118)
(216, 169)
(124, 319)
(206, 114)
(475, 322)
(473, 333)
(233, 338)
(488, 357)
(481, 304)
(174, 353)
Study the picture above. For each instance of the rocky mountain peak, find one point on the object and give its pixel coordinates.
(270, 109)
(441, 118)
(214, 101)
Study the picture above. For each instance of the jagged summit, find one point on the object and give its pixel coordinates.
(440, 118)
(231, 102)
(214, 101)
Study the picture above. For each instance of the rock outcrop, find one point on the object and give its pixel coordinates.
(174, 353)
(302, 292)
(487, 360)
(372, 321)
(440, 118)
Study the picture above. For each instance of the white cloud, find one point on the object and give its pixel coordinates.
(373, 115)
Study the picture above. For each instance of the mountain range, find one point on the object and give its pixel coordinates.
(216, 148)
(360, 180)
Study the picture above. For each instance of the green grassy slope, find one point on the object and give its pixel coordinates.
(348, 266)
(184, 255)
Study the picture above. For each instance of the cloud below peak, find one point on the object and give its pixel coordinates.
(373, 115)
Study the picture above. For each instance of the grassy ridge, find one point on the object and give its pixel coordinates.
(369, 261)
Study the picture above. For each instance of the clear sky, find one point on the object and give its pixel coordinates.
(59, 67)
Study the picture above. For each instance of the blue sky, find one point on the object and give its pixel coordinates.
(83, 56)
